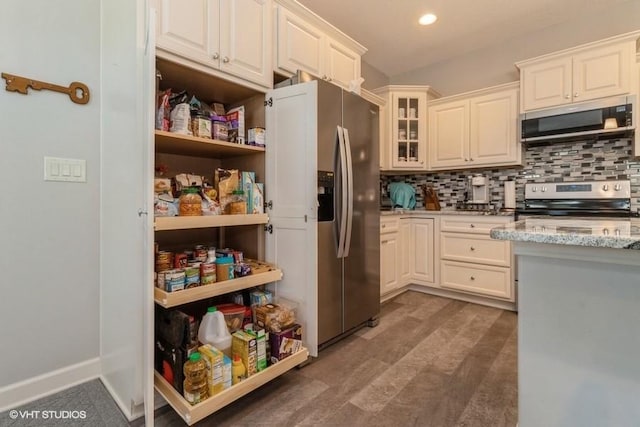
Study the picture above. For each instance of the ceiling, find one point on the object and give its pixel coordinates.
(397, 43)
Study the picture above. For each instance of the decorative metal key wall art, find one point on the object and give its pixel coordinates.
(78, 92)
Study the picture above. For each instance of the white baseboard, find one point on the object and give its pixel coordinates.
(488, 301)
(131, 412)
(26, 391)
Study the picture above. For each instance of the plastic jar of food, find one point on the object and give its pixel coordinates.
(190, 202)
(224, 268)
(237, 203)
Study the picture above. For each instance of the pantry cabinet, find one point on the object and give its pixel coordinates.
(475, 129)
(595, 70)
(404, 141)
(200, 156)
(230, 36)
(306, 42)
(470, 261)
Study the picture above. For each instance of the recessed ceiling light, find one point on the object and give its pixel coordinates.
(427, 19)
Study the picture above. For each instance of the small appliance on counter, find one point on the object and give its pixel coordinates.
(478, 189)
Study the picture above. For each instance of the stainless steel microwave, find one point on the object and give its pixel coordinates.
(600, 117)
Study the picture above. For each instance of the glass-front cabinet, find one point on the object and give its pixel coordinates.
(404, 141)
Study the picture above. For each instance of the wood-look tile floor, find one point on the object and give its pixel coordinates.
(430, 362)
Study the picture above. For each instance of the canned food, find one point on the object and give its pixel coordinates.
(171, 280)
(200, 253)
(207, 273)
(192, 275)
(164, 261)
(180, 260)
(190, 255)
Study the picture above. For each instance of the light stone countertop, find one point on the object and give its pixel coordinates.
(616, 233)
(417, 212)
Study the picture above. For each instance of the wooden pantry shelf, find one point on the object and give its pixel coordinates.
(262, 273)
(164, 223)
(192, 414)
(173, 143)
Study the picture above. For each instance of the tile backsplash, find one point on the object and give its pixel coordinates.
(567, 161)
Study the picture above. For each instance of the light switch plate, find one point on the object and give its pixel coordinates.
(65, 170)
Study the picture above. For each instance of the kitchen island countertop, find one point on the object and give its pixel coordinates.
(417, 212)
(615, 233)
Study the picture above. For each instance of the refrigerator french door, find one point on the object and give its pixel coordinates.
(322, 189)
(348, 294)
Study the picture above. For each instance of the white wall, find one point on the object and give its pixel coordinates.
(495, 65)
(49, 252)
(373, 78)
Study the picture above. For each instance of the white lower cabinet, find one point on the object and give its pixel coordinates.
(471, 261)
(407, 252)
(389, 254)
(423, 250)
(448, 255)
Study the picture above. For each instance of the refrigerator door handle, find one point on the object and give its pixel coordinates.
(347, 146)
(341, 166)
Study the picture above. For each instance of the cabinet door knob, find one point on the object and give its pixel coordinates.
(466, 160)
(225, 59)
(472, 248)
(567, 96)
(575, 95)
(216, 55)
(472, 278)
(472, 225)
(471, 159)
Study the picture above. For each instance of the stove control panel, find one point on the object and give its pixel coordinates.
(578, 190)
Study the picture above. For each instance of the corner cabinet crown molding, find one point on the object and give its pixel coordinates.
(403, 127)
(590, 71)
(475, 129)
(307, 42)
(226, 38)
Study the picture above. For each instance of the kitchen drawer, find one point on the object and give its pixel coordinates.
(472, 224)
(478, 279)
(389, 224)
(475, 248)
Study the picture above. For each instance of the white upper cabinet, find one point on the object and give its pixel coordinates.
(307, 42)
(342, 64)
(476, 129)
(595, 70)
(493, 129)
(449, 134)
(232, 36)
(403, 137)
(300, 45)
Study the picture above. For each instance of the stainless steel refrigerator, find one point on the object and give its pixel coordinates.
(322, 196)
(348, 212)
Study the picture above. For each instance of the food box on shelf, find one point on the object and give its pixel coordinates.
(244, 344)
(285, 343)
(214, 360)
(275, 317)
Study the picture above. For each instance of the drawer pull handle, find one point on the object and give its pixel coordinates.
(383, 226)
(472, 225)
(384, 242)
(472, 278)
(472, 248)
